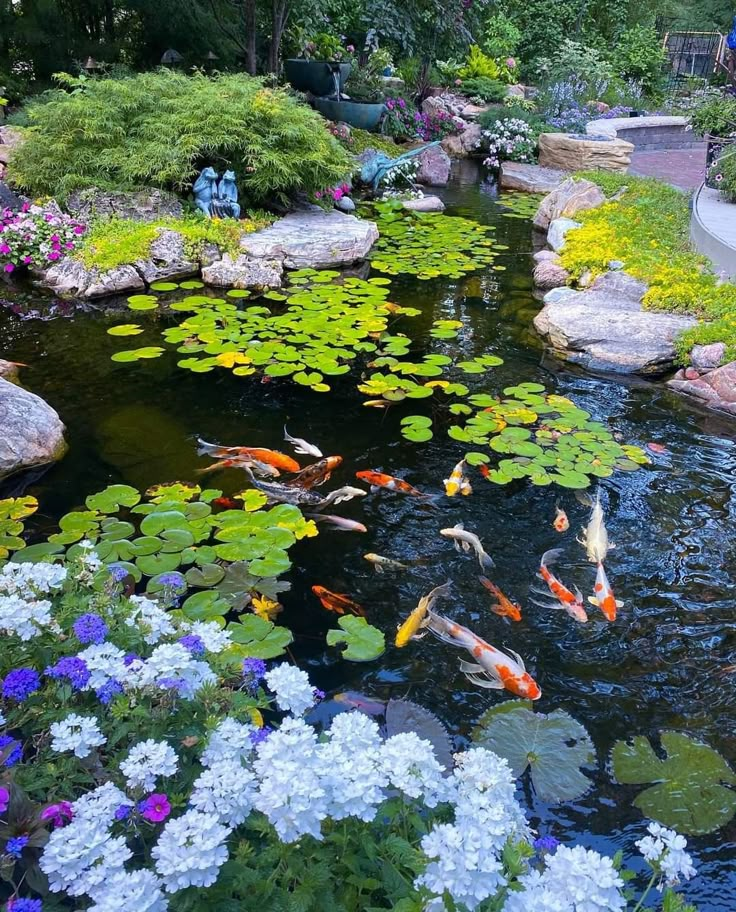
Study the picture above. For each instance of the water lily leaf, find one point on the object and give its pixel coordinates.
(274, 563)
(153, 564)
(33, 553)
(191, 283)
(554, 746)
(363, 642)
(112, 498)
(256, 638)
(142, 302)
(417, 421)
(205, 606)
(416, 434)
(137, 354)
(162, 520)
(164, 286)
(175, 540)
(475, 459)
(690, 793)
(183, 491)
(125, 329)
(205, 576)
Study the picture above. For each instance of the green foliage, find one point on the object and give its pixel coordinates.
(715, 115)
(501, 37)
(363, 642)
(158, 129)
(365, 83)
(478, 64)
(13, 511)
(362, 140)
(639, 55)
(485, 88)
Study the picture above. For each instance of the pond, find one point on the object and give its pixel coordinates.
(666, 663)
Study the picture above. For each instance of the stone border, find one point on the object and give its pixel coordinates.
(647, 134)
(713, 229)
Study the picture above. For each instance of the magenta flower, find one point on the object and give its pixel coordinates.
(55, 239)
(59, 814)
(4, 800)
(79, 229)
(4, 248)
(27, 260)
(25, 207)
(350, 48)
(9, 267)
(510, 63)
(54, 255)
(155, 808)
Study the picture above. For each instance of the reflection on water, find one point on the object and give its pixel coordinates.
(663, 664)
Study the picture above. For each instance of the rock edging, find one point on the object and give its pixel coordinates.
(33, 433)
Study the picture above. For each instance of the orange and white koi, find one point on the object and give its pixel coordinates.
(465, 540)
(493, 668)
(561, 522)
(604, 597)
(270, 457)
(315, 474)
(301, 446)
(503, 605)
(378, 480)
(240, 462)
(458, 482)
(410, 629)
(571, 602)
(334, 601)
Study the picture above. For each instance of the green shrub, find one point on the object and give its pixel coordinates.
(487, 90)
(158, 129)
(478, 64)
(714, 114)
(501, 36)
(639, 56)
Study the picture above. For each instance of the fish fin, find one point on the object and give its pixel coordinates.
(442, 636)
(484, 682)
(549, 557)
(486, 561)
(578, 594)
(585, 499)
(464, 546)
(611, 546)
(619, 603)
(594, 601)
(518, 659)
(374, 488)
(470, 667)
(552, 606)
(459, 527)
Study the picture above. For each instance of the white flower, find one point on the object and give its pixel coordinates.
(137, 891)
(229, 741)
(30, 580)
(411, 766)
(225, 790)
(99, 805)
(82, 855)
(147, 761)
(666, 849)
(190, 851)
(214, 637)
(172, 661)
(150, 617)
(79, 734)
(352, 773)
(291, 685)
(105, 663)
(23, 617)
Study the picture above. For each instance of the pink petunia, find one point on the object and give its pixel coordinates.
(4, 800)
(510, 63)
(9, 267)
(54, 255)
(155, 808)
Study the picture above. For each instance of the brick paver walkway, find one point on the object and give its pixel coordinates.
(683, 168)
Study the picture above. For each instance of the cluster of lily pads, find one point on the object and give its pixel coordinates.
(13, 512)
(518, 204)
(428, 245)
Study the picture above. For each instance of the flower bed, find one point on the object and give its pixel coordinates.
(36, 236)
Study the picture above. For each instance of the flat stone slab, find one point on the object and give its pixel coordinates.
(530, 178)
(652, 131)
(33, 434)
(604, 328)
(313, 239)
(716, 389)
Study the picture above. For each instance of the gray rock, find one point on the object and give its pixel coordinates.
(425, 204)
(605, 328)
(71, 279)
(707, 357)
(313, 239)
(541, 255)
(244, 272)
(464, 144)
(716, 389)
(572, 196)
(614, 265)
(516, 91)
(345, 204)
(558, 230)
(140, 206)
(33, 434)
(548, 275)
(559, 294)
(434, 167)
(168, 259)
(8, 198)
(530, 178)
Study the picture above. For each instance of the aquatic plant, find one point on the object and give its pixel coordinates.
(13, 510)
(519, 205)
(363, 642)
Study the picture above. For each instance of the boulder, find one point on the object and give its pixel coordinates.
(541, 255)
(516, 91)
(33, 434)
(345, 204)
(463, 144)
(140, 206)
(549, 274)
(71, 279)
(425, 204)
(167, 260)
(716, 389)
(434, 167)
(473, 111)
(313, 238)
(244, 272)
(707, 357)
(571, 152)
(605, 328)
(9, 199)
(10, 139)
(566, 200)
(558, 231)
(530, 178)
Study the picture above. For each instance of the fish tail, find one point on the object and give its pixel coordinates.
(549, 557)
(486, 561)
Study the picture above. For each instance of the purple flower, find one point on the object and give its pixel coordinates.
(16, 845)
(109, 690)
(170, 683)
(27, 260)
(4, 800)
(15, 754)
(118, 573)
(259, 735)
(155, 808)
(253, 671)
(24, 905)
(129, 658)
(318, 694)
(20, 684)
(59, 814)
(193, 643)
(54, 255)
(545, 844)
(122, 812)
(172, 580)
(79, 229)
(90, 628)
(4, 248)
(73, 669)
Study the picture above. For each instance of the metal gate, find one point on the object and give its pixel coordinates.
(693, 55)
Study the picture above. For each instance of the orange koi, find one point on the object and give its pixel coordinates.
(561, 522)
(571, 602)
(269, 457)
(484, 470)
(315, 474)
(503, 606)
(604, 597)
(379, 480)
(333, 601)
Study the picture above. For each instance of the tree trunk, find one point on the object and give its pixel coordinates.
(250, 36)
(279, 15)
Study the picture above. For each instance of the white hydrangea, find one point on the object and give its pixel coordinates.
(79, 734)
(172, 661)
(352, 775)
(99, 805)
(291, 685)
(291, 793)
(666, 849)
(82, 855)
(150, 617)
(147, 761)
(23, 617)
(226, 791)
(411, 766)
(105, 663)
(229, 741)
(190, 851)
(578, 879)
(214, 637)
(138, 891)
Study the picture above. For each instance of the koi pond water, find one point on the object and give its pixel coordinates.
(667, 663)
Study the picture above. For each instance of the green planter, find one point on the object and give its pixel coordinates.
(364, 116)
(314, 76)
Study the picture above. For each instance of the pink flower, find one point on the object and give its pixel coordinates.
(79, 229)
(69, 245)
(510, 63)
(4, 800)
(27, 260)
(9, 267)
(54, 255)
(318, 194)
(155, 808)
(350, 48)
(4, 248)
(25, 207)
(59, 814)
(458, 82)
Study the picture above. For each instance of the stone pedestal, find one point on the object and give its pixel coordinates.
(570, 152)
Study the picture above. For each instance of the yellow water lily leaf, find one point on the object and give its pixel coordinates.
(230, 359)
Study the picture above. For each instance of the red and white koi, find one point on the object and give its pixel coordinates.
(604, 597)
(571, 602)
(561, 522)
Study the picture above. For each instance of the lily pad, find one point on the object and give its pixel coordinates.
(363, 642)
(256, 638)
(125, 329)
(112, 498)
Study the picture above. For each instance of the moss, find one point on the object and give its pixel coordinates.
(115, 242)
(362, 140)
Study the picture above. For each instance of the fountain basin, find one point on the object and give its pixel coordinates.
(362, 115)
(314, 76)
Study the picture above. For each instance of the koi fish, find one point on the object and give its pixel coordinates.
(282, 493)
(493, 668)
(378, 480)
(484, 470)
(571, 602)
(384, 563)
(228, 503)
(270, 457)
(377, 403)
(596, 535)
(315, 474)
(360, 702)
(341, 495)
(239, 462)
(604, 597)
(561, 522)
(503, 606)
(301, 446)
(465, 540)
(409, 630)
(458, 482)
(341, 523)
(333, 601)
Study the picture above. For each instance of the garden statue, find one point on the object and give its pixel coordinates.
(225, 203)
(205, 189)
(379, 164)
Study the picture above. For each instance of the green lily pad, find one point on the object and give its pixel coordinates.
(142, 302)
(363, 642)
(257, 638)
(164, 286)
(205, 606)
(137, 354)
(125, 329)
(112, 498)
(153, 564)
(205, 576)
